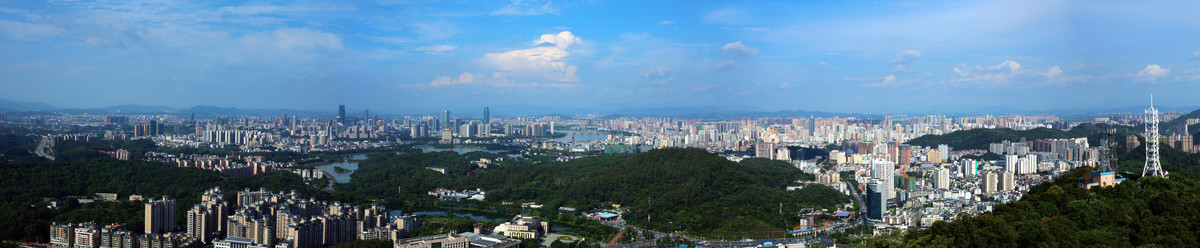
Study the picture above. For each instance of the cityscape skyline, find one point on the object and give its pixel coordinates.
(850, 57)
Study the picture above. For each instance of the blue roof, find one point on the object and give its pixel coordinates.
(842, 213)
(606, 215)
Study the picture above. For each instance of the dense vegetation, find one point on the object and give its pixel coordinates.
(26, 188)
(679, 189)
(979, 138)
(1145, 211)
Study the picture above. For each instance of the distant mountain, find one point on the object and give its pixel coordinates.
(979, 138)
(17, 106)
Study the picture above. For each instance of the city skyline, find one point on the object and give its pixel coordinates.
(878, 57)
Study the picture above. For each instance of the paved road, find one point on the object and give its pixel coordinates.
(40, 150)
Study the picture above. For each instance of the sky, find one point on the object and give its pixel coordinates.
(840, 56)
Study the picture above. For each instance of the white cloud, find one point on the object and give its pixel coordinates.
(1195, 56)
(725, 16)
(906, 57)
(521, 8)
(562, 39)
(464, 78)
(886, 81)
(394, 40)
(1010, 73)
(756, 29)
(785, 85)
(22, 30)
(822, 63)
(436, 30)
(724, 65)
(435, 48)
(738, 50)
(548, 62)
(656, 72)
(667, 22)
(1152, 72)
(292, 43)
(659, 74)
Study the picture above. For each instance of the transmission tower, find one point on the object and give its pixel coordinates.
(1153, 167)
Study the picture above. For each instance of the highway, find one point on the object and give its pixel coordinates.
(40, 150)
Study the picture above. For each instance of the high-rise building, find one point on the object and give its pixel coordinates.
(445, 120)
(487, 116)
(941, 178)
(884, 171)
(160, 215)
(944, 151)
(342, 113)
(207, 219)
(876, 203)
(990, 182)
(1010, 162)
(153, 128)
(1007, 181)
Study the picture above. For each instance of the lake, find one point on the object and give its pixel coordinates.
(459, 214)
(581, 136)
(350, 165)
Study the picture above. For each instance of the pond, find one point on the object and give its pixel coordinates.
(581, 136)
(350, 165)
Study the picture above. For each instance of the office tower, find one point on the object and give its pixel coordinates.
(989, 182)
(942, 179)
(884, 171)
(153, 128)
(160, 215)
(192, 120)
(487, 116)
(366, 114)
(445, 120)
(342, 113)
(876, 203)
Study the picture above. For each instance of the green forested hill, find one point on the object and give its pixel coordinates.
(1148, 211)
(26, 188)
(680, 189)
(979, 138)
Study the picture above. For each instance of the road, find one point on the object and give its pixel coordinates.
(40, 150)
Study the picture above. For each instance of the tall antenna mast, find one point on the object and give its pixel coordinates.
(1153, 167)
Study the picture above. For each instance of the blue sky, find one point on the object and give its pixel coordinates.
(849, 56)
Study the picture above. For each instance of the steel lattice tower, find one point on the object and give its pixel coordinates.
(1153, 167)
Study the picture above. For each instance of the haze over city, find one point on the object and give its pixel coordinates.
(547, 56)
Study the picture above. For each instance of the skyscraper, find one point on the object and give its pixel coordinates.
(445, 120)
(942, 178)
(487, 116)
(487, 123)
(160, 215)
(342, 113)
(989, 182)
(153, 128)
(884, 171)
(876, 203)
